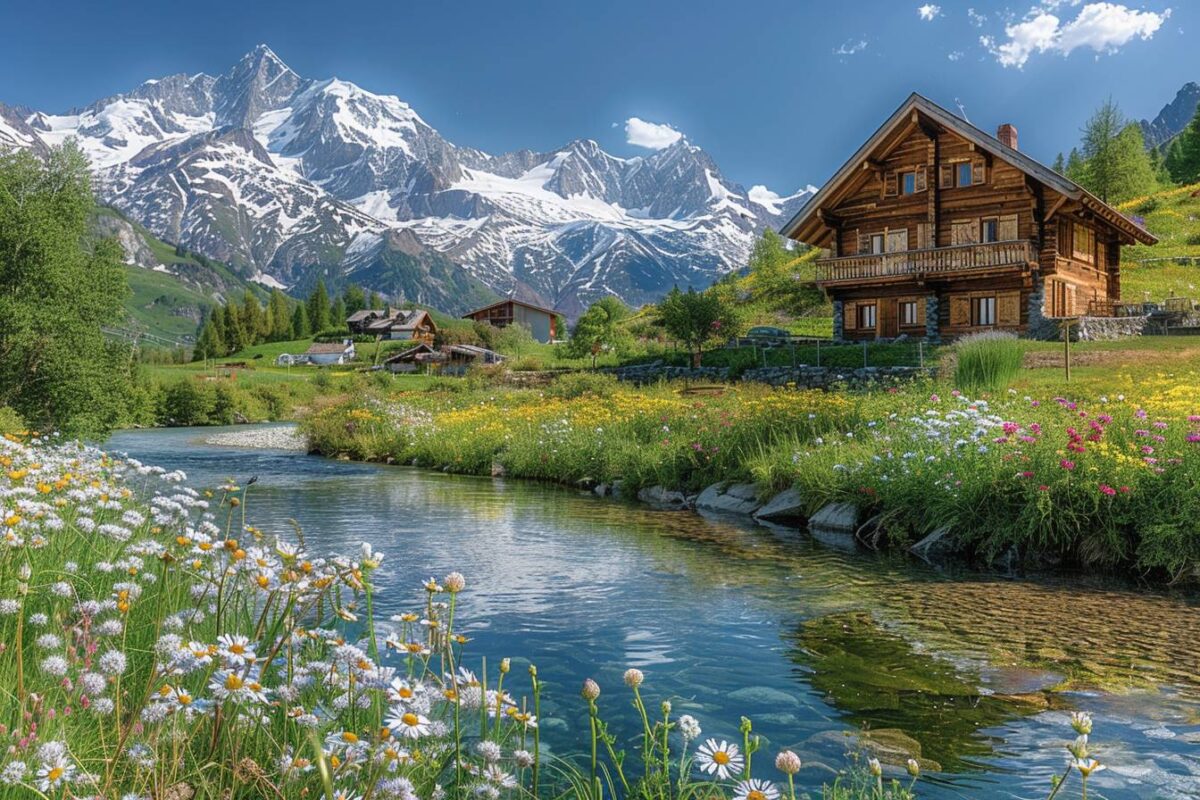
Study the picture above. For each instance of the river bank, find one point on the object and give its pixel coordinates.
(1099, 481)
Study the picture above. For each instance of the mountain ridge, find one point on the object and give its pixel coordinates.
(295, 179)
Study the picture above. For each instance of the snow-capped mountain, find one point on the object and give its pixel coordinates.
(288, 178)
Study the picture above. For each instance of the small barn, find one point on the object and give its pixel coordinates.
(413, 359)
(325, 353)
(396, 324)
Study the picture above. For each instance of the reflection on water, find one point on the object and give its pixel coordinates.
(730, 619)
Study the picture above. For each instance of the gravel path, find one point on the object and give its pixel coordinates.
(276, 437)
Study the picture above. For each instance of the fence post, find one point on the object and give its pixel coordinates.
(793, 355)
(818, 352)
(921, 355)
(864, 353)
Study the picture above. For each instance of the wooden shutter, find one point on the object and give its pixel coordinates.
(1007, 229)
(864, 243)
(964, 231)
(849, 316)
(978, 168)
(890, 184)
(1008, 309)
(924, 235)
(960, 310)
(897, 241)
(921, 311)
(946, 176)
(921, 180)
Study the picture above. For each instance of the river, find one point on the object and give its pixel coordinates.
(727, 619)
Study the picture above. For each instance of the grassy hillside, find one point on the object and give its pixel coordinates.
(1174, 217)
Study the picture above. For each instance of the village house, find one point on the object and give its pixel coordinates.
(542, 322)
(936, 229)
(454, 359)
(325, 353)
(394, 323)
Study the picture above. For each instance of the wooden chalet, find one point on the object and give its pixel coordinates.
(397, 324)
(542, 322)
(937, 229)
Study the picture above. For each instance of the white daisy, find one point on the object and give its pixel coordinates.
(722, 759)
(408, 724)
(755, 789)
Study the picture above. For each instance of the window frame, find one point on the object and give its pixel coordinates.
(903, 181)
(958, 174)
(984, 223)
(983, 311)
(902, 312)
(878, 243)
(867, 316)
(1087, 256)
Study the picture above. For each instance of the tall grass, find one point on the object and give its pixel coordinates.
(987, 362)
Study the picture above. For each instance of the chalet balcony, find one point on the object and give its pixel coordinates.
(897, 266)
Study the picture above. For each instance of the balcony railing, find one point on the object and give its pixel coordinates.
(933, 261)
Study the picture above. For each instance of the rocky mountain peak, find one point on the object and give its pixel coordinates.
(258, 83)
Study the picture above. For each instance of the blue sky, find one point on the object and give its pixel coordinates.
(779, 92)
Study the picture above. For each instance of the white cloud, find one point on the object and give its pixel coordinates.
(652, 135)
(851, 47)
(977, 19)
(929, 12)
(955, 55)
(1104, 27)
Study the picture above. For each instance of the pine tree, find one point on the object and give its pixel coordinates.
(300, 327)
(253, 319)
(1183, 157)
(1074, 166)
(235, 333)
(376, 301)
(355, 299)
(337, 314)
(279, 317)
(1059, 165)
(318, 308)
(209, 343)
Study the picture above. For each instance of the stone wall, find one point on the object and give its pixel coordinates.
(839, 320)
(931, 317)
(1107, 329)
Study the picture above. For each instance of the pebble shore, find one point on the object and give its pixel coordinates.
(276, 437)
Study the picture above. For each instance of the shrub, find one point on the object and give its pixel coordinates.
(10, 421)
(580, 384)
(987, 361)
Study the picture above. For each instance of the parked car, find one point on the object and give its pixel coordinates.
(768, 334)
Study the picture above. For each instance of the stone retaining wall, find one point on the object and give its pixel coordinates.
(1107, 329)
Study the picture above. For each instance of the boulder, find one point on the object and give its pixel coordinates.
(937, 546)
(787, 505)
(737, 498)
(835, 518)
(662, 497)
(618, 488)
(602, 490)
(497, 469)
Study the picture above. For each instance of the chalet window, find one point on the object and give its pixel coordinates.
(876, 243)
(866, 315)
(989, 229)
(908, 183)
(962, 174)
(1083, 244)
(908, 312)
(983, 311)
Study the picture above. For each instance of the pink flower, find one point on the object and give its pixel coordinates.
(1125, 490)
(1034, 403)
(1043, 488)
(1108, 490)
(1140, 413)
(933, 398)
(1067, 465)
(1160, 424)
(1035, 429)
(1147, 449)
(1194, 438)
(1027, 474)
(1011, 427)
(1193, 417)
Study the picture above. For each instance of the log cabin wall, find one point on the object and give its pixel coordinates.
(939, 211)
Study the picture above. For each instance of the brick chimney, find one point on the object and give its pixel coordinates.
(1007, 135)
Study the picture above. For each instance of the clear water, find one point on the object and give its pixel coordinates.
(730, 619)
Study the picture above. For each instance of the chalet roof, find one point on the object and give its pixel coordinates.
(399, 321)
(408, 354)
(327, 348)
(366, 313)
(1031, 167)
(472, 351)
(514, 301)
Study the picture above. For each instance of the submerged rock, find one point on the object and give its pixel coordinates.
(764, 696)
(737, 498)
(940, 544)
(835, 518)
(662, 497)
(786, 506)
